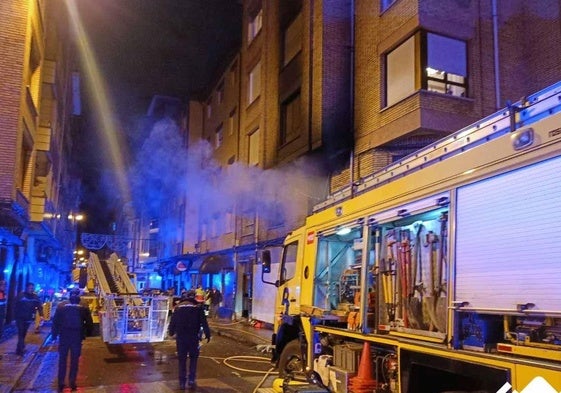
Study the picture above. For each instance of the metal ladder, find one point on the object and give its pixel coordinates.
(526, 111)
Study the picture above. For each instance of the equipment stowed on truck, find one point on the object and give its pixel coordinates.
(443, 269)
(124, 315)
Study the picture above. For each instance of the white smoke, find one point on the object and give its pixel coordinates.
(165, 168)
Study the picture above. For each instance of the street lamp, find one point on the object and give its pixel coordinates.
(75, 217)
(78, 258)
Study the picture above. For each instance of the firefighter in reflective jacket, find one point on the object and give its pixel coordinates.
(186, 323)
(72, 322)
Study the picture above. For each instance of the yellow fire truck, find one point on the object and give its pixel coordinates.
(439, 273)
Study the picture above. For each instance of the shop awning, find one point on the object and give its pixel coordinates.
(196, 265)
(216, 263)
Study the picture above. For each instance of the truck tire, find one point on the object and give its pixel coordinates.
(290, 360)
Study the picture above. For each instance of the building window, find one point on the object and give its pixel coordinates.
(153, 245)
(292, 41)
(385, 4)
(154, 224)
(291, 118)
(248, 223)
(441, 62)
(229, 222)
(26, 169)
(76, 95)
(204, 229)
(219, 137)
(254, 87)
(181, 215)
(253, 158)
(232, 122)
(400, 72)
(220, 92)
(34, 71)
(254, 26)
(276, 218)
(214, 225)
(234, 74)
(209, 108)
(446, 68)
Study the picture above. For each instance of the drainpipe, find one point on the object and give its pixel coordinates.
(352, 96)
(498, 104)
(311, 74)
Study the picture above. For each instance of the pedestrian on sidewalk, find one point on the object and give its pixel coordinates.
(72, 322)
(215, 299)
(186, 323)
(27, 304)
(207, 301)
(200, 294)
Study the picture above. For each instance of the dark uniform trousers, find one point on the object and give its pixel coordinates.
(187, 347)
(70, 341)
(22, 326)
(72, 323)
(26, 306)
(186, 323)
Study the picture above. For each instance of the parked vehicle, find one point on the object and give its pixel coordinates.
(438, 273)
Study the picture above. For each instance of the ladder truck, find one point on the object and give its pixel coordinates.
(124, 315)
(439, 273)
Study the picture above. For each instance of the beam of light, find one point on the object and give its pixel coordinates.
(101, 99)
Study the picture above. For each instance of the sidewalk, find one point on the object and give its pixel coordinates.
(13, 365)
(242, 331)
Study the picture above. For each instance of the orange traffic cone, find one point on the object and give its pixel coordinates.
(363, 381)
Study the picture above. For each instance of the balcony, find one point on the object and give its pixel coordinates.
(39, 196)
(49, 72)
(43, 140)
(14, 212)
(37, 208)
(30, 113)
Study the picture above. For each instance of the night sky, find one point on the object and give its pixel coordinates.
(145, 48)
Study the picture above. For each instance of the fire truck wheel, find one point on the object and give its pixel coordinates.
(291, 359)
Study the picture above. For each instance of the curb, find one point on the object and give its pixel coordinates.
(240, 332)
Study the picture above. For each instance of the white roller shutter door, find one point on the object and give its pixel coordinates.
(263, 303)
(508, 239)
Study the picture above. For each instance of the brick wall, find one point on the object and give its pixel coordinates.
(334, 90)
(13, 33)
(529, 59)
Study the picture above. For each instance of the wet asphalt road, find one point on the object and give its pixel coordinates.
(225, 366)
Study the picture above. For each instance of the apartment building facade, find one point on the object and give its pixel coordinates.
(38, 194)
(427, 68)
(273, 118)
